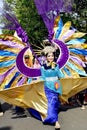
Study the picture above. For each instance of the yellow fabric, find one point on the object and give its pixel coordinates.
(4, 69)
(76, 35)
(8, 78)
(7, 48)
(16, 81)
(56, 25)
(77, 45)
(28, 96)
(65, 29)
(84, 45)
(6, 58)
(35, 92)
(11, 38)
(81, 57)
(79, 67)
(72, 86)
(56, 21)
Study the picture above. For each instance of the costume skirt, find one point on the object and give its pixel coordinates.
(52, 109)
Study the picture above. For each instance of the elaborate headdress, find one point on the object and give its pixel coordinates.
(48, 49)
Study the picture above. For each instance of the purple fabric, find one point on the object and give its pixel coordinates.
(21, 81)
(42, 59)
(49, 10)
(11, 44)
(53, 106)
(77, 60)
(13, 23)
(63, 58)
(45, 6)
(67, 34)
(21, 33)
(67, 5)
(30, 72)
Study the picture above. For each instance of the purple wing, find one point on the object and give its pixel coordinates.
(12, 22)
(49, 10)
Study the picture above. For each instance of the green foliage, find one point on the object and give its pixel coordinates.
(29, 19)
(78, 16)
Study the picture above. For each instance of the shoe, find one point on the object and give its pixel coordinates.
(1, 113)
(83, 107)
(85, 102)
(57, 126)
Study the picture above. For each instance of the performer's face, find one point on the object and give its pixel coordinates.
(50, 57)
(26, 61)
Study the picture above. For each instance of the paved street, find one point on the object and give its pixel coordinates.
(70, 119)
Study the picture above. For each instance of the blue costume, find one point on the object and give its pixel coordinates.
(51, 77)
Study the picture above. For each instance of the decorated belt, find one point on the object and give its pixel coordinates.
(51, 78)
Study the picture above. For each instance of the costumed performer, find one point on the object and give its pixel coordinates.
(51, 73)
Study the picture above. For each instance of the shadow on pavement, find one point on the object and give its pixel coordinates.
(68, 106)
(5, 128)
(19, 116)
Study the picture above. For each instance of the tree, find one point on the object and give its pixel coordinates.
(78, 16)
(29, 19)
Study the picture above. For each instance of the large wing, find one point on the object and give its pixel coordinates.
(72, 86)
(14, 87)
(74, 67)
(10, 46)
(11, 77)
(75, 43)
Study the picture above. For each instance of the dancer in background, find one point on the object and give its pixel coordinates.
(82, 94)
(28, 61)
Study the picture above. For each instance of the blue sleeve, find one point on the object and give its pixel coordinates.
(59, 72)
(42, 73)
